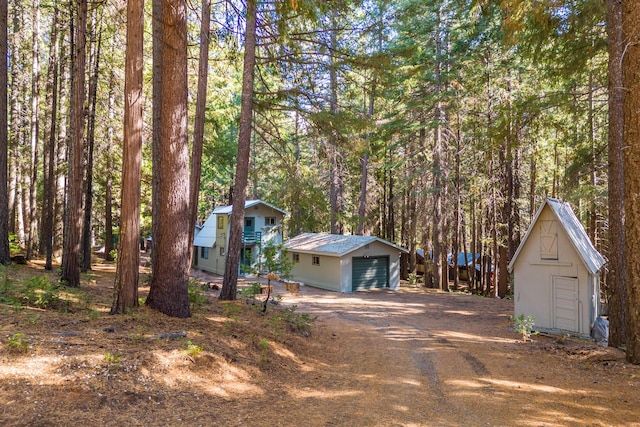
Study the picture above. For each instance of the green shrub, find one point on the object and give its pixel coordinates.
(18, 343)
(37, 291)
(251, 291)
(523, 325)
(192, 350)
(196, 298)
(299, 323)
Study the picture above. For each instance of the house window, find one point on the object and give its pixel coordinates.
(220, 223)
(296, 257)
(316, 260)
(270, 220)
(221, 250)
(204, 253)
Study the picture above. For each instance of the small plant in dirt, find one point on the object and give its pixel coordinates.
(37, 291)
(264, 351)
(18, 343)
(300, 323)
(523, 325)
(112, 359)
(196, 298)
(192, 350)
(231, 310)
(412, 280)
(251, 291)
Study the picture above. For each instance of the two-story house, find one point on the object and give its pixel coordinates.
(262, 225)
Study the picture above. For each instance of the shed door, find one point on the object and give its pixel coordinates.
(565, 303)
(370, 273)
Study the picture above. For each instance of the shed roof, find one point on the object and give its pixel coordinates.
(578, 237)
(333, 244)
(226, 210)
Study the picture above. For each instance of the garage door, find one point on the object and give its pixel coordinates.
(370, 273)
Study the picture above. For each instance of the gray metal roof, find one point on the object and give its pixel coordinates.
(332, 244)
(205, 236)
(247, 204)
(578, 237)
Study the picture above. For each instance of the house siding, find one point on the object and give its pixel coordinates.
(221, 222)
(323, 276)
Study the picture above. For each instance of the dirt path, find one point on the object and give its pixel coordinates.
(420, 358)
(407, 358)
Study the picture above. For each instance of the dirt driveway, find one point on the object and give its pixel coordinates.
(421, 358)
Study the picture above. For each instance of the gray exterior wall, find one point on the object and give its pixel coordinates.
(534, 281)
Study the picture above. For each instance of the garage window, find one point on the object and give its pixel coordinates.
(296, 257)
(316, 260)
(204, 253)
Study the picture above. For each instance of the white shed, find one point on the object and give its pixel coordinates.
(555, 272)
(345, 263)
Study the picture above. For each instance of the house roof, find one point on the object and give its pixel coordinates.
(206, 236)
(332, 244)
(578, 237)
(226, 210)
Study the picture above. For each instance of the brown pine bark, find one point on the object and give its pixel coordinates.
(230, 282)
(198, 128)
(91, 128)
(32, 214)
(169, 292)
(108, 194)
(631, 84)
(127, 270)
(617, 277)
(73, 227)
(5, 255)
(50, 147)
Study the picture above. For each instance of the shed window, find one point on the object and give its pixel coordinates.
(316, 260)
(296, 257)
(548, 240)
(204, 253)
(270, 220)
(220, 223)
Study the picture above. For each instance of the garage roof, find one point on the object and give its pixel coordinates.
(332, 244)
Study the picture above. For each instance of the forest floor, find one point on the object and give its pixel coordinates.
(414, 357)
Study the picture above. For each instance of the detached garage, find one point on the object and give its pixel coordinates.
(345, 263)
(556, 272)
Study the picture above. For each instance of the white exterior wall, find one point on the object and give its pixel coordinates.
(324, 276)
(533, 280)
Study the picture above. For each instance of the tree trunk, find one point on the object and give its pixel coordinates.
(61, 151)
(230, 282)
(617, 275)
(50, 147)
(91, 127)
(169, 291)
(127, 271)
(198, 128)
(5, 255)
(157, 12)
(108, 194)
(336, 178)
(35, 134)
(73, 226)
(631, 84)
